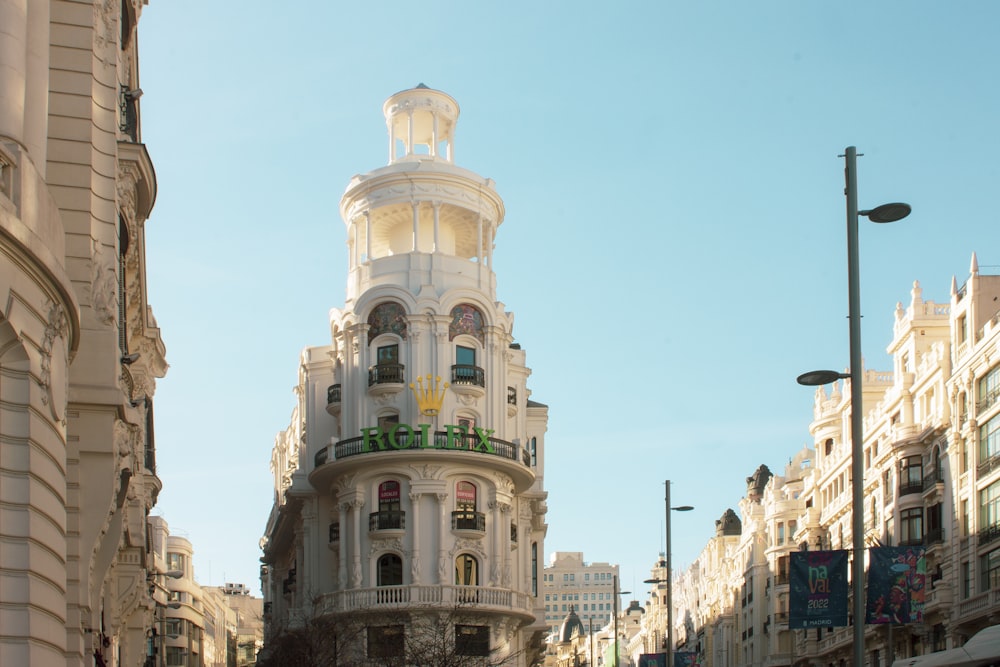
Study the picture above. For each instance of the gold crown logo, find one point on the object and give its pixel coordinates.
(429, 399)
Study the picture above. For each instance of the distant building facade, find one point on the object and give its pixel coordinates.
(80, 351)
(410, 481)
(570, 583)
(932, 479)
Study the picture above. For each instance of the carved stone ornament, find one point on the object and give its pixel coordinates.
(106, 30)
(103, 284)
(54, 375)
(382, 545)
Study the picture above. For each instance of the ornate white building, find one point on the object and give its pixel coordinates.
(79, 348)
(932, 478)
(409, 483)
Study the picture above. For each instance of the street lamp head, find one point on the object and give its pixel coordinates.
(683, 508)
(654, 581)
(887, 212)
(816, 378)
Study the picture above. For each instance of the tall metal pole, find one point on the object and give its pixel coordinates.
(857, 425)
(615, 582)
(670, 582)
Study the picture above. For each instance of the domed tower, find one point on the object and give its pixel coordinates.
(409, 485)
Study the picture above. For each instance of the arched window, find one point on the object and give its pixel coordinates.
(465, 496)
(388, 496)
(466, 570)
(390, 571)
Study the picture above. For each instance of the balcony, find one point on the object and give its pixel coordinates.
(934, 536)
(412, 443)
(468, 380)
(386, 379)
(511, 401)
(333, 399)
(987, 401)
(387, 522)
(513, 534)
(392, 598)
(469, 523)
(907, 488)
(989, 534)
(989, 465)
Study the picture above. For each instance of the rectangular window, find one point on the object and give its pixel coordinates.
(388, 354)
(966, 580)
(176, 656)
(989, 570)
(911, 524)
(989, 389)
(989, 506)
(966, 519)
(385, 641)
(472, 640)
(465, 356)
(989, 439)
(911, 473)
(175, 561)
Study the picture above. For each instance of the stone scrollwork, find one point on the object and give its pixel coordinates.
(103, 284)
(378, 546)
(54, 376)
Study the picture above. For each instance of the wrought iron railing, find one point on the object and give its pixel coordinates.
(386, 374)
(443, 440)
(387, 520)
(466, 374)
(333, 394)
(465, 520)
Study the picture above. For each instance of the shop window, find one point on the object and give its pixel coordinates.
(472, 640)
(386, 641)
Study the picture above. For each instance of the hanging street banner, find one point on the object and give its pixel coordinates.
(652, 660)
(686, 659)
(896, 580)
(818, 584)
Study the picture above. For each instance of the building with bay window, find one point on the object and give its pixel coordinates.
(408, 487)
(932, 479)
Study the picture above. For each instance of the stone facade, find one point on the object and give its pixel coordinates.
(932, 478)
(408, 486)
(79, 348)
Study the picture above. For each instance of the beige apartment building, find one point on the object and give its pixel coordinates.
(932, 478)
(409, 503)
(571, 584)
(80, 351)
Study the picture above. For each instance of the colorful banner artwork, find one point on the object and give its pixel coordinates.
(896, 580)
(652, 660)
(686, 659)
(818, 589)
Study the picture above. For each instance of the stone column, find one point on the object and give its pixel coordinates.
(356, 507)
(415, 531)
(443, 578)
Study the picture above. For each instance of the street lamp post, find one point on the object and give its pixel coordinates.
(615, 609)
(669, 579)
(883, 213)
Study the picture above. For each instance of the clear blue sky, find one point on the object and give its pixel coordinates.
(674, 245)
